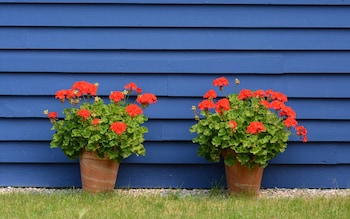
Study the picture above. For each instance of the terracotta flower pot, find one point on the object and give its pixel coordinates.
(243, 180)
(97, 175)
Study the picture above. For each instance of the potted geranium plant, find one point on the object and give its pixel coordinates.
(100, 133)
(247, 129)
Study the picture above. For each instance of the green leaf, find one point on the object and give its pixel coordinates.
(230, 160)
(216, 141)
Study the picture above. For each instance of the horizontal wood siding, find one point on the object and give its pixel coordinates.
(175, 48)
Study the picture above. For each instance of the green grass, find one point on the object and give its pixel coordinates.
(74, 204)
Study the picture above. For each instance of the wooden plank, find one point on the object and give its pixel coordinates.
(172, 107)
(179, 85)
(175, 176)
(174, 38)
(267, 2)
(140, 61)
(204, 62)
(129, 176)
(48, 83)
(293, 85)
(167, 130)
(179, 15)
(309, 176)
(178, 153)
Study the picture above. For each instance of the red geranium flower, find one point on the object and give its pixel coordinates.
(83, 87)
(255, 128)
(211, 94)
(288, 112)
(95, 121)
(259, 93)
(301, 131)
(276, 104)
(221, 105)
(206, 104)
(232, 124)
(275, 95)
(146, 99)
(52, 115)
(245, 94)
(220, 82)
(116, 96)
(118, 127)
(131, 86)
(70, 94)
(84, 113)
(133, 110)
(61, 94)
(265, 103)
(290, 122)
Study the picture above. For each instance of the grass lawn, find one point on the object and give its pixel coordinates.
(73, 204)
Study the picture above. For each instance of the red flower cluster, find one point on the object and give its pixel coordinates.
(259, 94)
(96, 121)
(146, 99)
(206, 105)
(78, 89)
(275, 95)
(245, 94)
(132, 86)
(84, 113)
(301, 131)
(133, 110)
(118, 127)
(211, 94)
(276, 101)
(83, 87)
(222, 105)
(116, 96)
(220, 82)
(232, 124)
(256, 128)
(52, 115)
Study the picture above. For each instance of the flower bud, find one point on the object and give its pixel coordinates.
(97, 99)
(237, 81)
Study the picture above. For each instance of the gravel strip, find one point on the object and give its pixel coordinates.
(268, 193)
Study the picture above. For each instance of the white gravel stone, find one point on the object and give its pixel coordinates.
(269, 193)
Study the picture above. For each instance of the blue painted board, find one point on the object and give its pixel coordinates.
(175, 176)
(219, 62)
(48, 83)
(177, 15)
(168, 130)
(171, 107)
(174, 38)
(293, 85)
(176, 152)
(268, 2)
(179, 85)
(307, 176)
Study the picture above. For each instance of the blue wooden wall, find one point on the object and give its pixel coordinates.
(175, 48)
